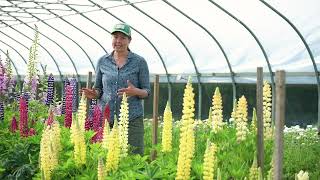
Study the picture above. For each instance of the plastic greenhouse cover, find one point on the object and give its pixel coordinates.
(77, 40)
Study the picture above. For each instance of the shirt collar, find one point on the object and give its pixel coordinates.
(130, 56)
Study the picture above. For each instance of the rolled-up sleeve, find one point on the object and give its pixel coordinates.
(98, 80)
(144, 77)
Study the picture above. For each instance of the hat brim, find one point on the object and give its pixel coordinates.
(118, 30)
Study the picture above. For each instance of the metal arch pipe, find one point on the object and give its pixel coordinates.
(262, 49)
(195, 67)
(61, 79)
(75, 68)
(25, 61)
(217, 42)
(74, 27)
(64, 36)
(308, 49)
(14, 65)
(153, 46)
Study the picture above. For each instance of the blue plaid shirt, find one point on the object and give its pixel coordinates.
(110, 78)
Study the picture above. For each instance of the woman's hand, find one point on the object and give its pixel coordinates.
(90, 93)
(131, 90)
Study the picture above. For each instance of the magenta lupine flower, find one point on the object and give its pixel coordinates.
(1, 111)
(68, 113)
(50, 90)
(98, 136)
(50, 119)
(66, 83)
(96, 118)
(88, 124)
(75, 94)
(13, 125)
(23, 124)
(31, 132)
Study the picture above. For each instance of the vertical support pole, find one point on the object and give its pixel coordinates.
(279, 122)
(88, 85)
(260, 127)
(155, 116)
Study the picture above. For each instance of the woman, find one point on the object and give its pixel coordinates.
(123, 72)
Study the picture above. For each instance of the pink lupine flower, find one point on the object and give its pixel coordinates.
(96, 118)
(68, 115)
(98, 136)
(23, 124)
(32, 132)
(50, 119)
(13, 125)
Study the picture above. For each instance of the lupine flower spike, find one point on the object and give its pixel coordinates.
(82, 112)
(50, 90)
(32, 79)
(77, 138)
(167, 129)
(302, 175)
(123, 126)
(13, 125)
(23, 123)
(242, 119)
(113, 156)
(254, 121)
(68, 113)
(209, 164)
(217, 117)
(267, 105)
(101, 170)
(254, 170)
(187, 139)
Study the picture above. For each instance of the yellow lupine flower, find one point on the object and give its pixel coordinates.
(106, 135)
(267, 105)
(82, 112)
(241, 119)
(302, 175)
(77, 136)
(123, 126)
(187, 139)
(101, 170)
(254, 170)
(254, 121)
(167, 129)
(113, 156)
(48, 152)
(217, 117)
(209, 161)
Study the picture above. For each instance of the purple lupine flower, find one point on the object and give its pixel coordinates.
(34, 85)
(75, 96)
(65, 84)
(26, 96)
(1, 111)
(68, 113)
(50, 90)
(93, 103)
(13, 125)
(97, 115)
(3, 79)
(23, 124)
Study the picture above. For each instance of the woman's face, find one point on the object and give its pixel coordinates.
(120, 42)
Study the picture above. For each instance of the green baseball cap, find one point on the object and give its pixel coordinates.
(122, 27)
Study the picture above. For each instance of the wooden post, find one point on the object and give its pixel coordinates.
(279, 122)
(88, 85)
(260, 127)
(155, 116)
